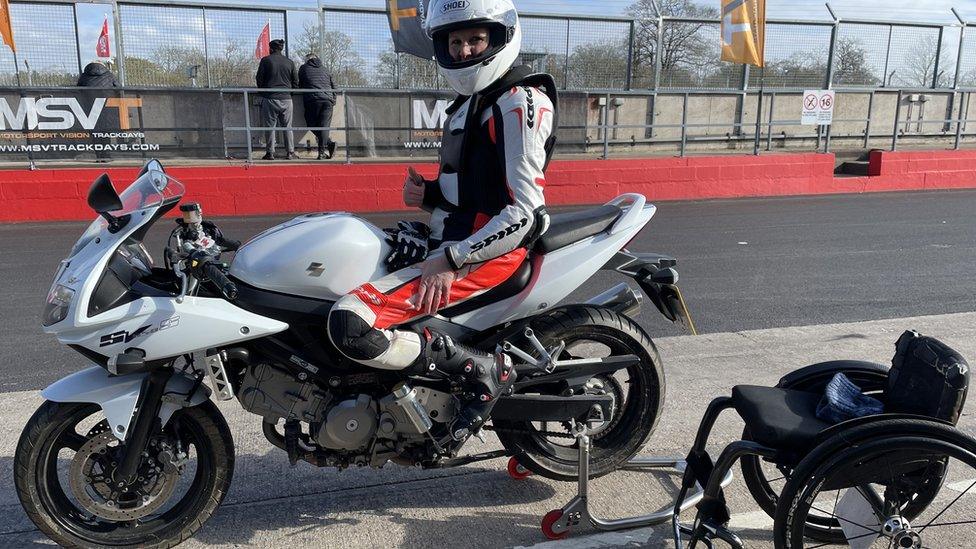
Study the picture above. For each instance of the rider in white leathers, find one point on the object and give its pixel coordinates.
(486, 205)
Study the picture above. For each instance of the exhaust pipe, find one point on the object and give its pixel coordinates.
(621, 298)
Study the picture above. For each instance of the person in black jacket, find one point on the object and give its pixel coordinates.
(97, 75)
(277, 71)
(318, 105)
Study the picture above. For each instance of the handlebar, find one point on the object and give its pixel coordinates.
(213, 272)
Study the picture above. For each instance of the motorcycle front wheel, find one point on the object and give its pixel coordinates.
(63, 472)
(549, 449)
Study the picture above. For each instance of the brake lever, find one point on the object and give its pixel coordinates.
(184, 280)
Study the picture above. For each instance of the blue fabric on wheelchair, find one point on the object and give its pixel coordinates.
(779, 418)
(842, 400)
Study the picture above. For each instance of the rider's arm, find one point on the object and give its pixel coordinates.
(521, 123)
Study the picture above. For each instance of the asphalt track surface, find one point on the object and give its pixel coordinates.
(744, 264)
(773, 283)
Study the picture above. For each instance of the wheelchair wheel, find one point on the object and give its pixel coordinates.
(765, 480)
(873, 490)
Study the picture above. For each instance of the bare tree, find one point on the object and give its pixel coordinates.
(685, 49)
(851, 66)
(920, 64)
(601, 65)
(406, 71)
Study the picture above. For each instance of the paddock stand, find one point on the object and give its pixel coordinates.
(557, 523)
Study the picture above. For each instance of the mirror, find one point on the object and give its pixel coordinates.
(102, 196)
(152, 165)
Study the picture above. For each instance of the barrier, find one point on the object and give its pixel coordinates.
(240, 190)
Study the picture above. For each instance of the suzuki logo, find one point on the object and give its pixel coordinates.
(315, 269)
(62, 113)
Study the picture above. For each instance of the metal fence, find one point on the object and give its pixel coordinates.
(211, 44)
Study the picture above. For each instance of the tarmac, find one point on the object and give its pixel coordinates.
(476, 506)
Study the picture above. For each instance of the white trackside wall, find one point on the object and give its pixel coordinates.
(556, 274)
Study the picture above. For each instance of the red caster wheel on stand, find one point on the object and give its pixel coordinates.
(516, 471)
(549, 520)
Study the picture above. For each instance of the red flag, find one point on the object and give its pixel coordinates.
(102, 48)
(264, 43)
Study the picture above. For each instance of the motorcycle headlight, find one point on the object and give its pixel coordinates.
(58, 301)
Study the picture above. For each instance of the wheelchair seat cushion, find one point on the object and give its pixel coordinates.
(782, 419)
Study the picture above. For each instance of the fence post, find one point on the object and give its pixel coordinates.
(833, 48)
(867, 128)
(769, 131)
(962, 43)
(206, 49)
(884, 77)
(606, 129)
(894, 138)
(658, 52)
(74, 9)
(630, 57)
(247, 125)
(321, 29)
(684, 124)
(938, 55)
(962, 99)
(566, 62)
(119, 41)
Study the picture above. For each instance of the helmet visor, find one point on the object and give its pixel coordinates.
(468, 43)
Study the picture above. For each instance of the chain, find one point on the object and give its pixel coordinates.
(553, 434)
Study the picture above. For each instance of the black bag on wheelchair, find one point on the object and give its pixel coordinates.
(927, 378)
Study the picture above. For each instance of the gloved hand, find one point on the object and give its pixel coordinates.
(409, 241)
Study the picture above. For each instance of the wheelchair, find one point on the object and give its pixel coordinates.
(904, 478)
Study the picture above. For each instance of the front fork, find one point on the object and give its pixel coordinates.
(144, 422)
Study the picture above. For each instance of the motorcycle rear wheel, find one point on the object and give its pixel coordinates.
(602, 332)
(52, 438)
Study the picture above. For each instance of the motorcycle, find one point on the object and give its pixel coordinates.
(132, 451)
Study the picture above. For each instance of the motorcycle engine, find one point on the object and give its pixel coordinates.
(351, 422)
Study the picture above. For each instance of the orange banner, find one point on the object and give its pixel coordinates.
(6, 30)
(744, 31)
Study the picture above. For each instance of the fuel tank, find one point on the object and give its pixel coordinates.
(323, 256)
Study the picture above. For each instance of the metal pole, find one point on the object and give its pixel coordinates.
(17, 71)
(206, 49)
(119, 40)
(630, 57)
(606, 129)
(566, 62)
(884, 77)
(74, 8)
(867, 129)
(962, 97)
(659, 52)
(769, 130)
(894, 138)
(762, 90)
(938, 55)
(959, 54)
(827, 141)
(684, 124)
(321, 30)
(247, 125)
(833, 49)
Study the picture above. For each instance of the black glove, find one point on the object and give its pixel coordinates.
(409, 241)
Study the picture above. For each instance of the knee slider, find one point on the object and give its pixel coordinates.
(354, 337)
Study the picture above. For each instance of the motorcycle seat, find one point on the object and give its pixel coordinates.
(567, 228)
(511, 286)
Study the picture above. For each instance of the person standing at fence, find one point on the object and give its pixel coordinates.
(97, 75)
(318, 105)
(277, 71)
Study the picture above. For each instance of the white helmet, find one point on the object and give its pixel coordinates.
(470, 76)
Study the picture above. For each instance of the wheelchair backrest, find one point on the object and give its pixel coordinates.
(927, 378)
